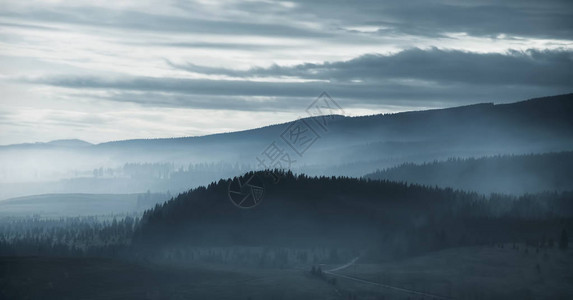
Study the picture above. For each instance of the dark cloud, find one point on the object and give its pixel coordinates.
(247, 95)
(28, 26)
(531, 67)
(540, 19)
(412, 77)
(186, 100)
(429, 18)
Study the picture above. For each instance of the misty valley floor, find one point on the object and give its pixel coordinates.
(483, 272)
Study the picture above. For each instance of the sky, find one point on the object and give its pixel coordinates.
(112, 70)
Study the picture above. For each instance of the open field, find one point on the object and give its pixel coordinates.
(61, 205)
(471, 273)
(460, 273)
(91, 278)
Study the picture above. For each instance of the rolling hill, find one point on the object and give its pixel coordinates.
(351, 215)
(510, 174)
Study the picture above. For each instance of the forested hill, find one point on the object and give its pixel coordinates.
(515, 174)
(301, 211)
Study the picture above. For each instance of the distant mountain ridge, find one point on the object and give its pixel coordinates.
(537, 107)
(516, 174)
(69, 143)
(54, 143)
(536, 125)
(347, 146)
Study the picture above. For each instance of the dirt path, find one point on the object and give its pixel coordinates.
(395, 288)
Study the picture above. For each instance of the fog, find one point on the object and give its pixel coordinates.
(326, 207)
(335, 145)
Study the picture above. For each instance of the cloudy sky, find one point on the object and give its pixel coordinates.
(110, 70)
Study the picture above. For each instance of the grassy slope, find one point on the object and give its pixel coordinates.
(474, 273)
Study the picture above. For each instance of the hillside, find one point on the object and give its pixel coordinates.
(350, 215)
(514, 174)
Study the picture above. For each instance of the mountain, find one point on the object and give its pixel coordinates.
(301, 212)
(333, 145)
(69, 143)
(513, 174)
(536, 125)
